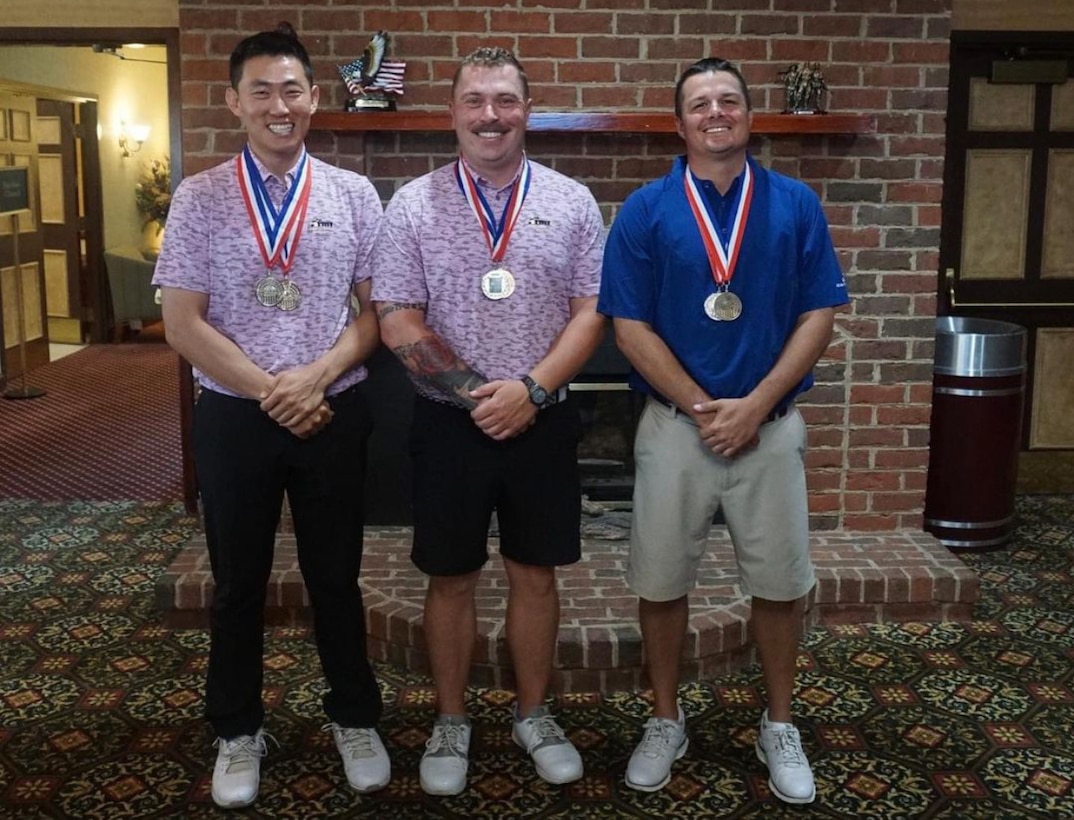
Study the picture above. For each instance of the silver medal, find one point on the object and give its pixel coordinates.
(498, 284)
(291, 297)
(268, 291)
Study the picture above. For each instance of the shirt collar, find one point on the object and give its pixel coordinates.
(484, 183)
(710, 189)
(289, 177)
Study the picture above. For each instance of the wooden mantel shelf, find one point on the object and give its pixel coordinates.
(600, 121)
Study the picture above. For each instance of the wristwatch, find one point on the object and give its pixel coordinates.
(538, 395)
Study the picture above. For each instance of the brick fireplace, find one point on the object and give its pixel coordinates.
(868, 415)
(869, 412)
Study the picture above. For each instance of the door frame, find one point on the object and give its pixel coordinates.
(100, 299)
(1004, 305)
(169, 38)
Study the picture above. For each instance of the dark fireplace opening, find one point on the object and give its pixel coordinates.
(609, 412)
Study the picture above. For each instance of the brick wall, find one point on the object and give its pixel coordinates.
(869, 412)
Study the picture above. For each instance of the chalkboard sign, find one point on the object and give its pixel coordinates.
(14, 191)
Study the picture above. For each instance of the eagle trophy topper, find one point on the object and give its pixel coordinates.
(372, 80)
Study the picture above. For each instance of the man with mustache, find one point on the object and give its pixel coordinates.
(487, 271)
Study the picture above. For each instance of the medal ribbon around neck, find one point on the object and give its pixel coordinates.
(497, 233)
(277, 233)
(723, 266)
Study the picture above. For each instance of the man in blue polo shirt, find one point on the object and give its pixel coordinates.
(722, 282)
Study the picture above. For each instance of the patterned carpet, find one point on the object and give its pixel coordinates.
(107, 428)
(100, 705)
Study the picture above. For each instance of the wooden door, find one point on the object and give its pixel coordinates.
(24, 330)
(1007, 248)
(61, 234)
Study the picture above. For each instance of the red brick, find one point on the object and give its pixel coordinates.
(875, 437)
(628, 48)
(384, 19)
(427, 45)
(862, 51)
(649, 23)
(798, 51)
(547, 47)
(587, 72)
(704, 23)
(554, 96)
(191, 18)
(582, 23)
(520, 22)
(915, 192)
(832, 25)
(873, 481)
(931, 53)
(894, 26)
(769, 24)
(912, 414)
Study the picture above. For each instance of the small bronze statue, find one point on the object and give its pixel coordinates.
(805, 88)
(371, 79)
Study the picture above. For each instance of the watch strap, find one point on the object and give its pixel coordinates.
(538, 395)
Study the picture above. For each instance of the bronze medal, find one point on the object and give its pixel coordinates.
(498, 283)
(268, 291)
(290, 297)
(727, 306)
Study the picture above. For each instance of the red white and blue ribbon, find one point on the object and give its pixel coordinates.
(721, 260)
(277, 232)
(497, 232)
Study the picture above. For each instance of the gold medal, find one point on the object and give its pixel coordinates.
(498, 284)
(268, 291)
(290, 296)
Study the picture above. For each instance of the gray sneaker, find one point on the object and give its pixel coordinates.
(779, 746)
(365, 760)
(555, 757)
(663, 742)
(446, 759)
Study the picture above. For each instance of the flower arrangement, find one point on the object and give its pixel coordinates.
(153, 193)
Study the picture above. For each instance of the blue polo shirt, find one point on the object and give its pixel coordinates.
(656, 271)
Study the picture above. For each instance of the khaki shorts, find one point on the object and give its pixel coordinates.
(680, 485)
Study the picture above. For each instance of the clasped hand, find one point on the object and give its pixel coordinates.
(295, 401)
(728, 427)
(503, 409)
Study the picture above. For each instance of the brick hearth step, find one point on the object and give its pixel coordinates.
(861, 578)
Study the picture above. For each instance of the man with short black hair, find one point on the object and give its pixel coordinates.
(487, 272)
(722, 282)
(261, 261)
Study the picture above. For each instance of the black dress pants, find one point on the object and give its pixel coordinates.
(245, 462)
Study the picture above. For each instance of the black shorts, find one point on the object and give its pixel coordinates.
(461, 475)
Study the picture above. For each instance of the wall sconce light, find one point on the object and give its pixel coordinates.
(132, 137)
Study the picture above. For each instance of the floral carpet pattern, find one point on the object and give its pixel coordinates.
(100, 704)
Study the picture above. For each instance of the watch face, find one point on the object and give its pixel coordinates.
(538, 395)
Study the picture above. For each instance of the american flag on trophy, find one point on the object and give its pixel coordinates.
(371, 78)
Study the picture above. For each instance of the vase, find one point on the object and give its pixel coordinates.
(152, 238)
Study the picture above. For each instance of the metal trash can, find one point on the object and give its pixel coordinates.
(977, 396)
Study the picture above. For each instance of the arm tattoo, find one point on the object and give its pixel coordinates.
(436, 368)
(390, 307)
